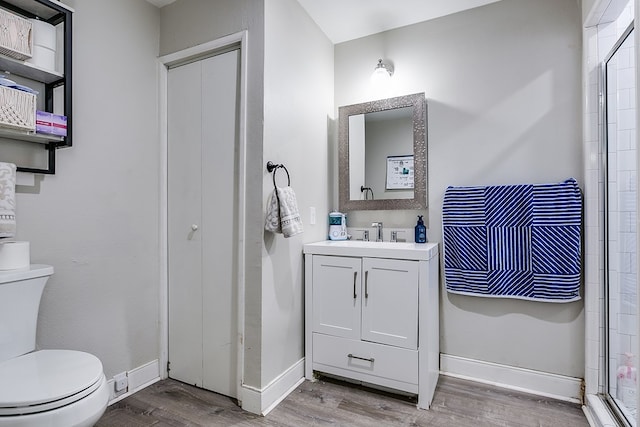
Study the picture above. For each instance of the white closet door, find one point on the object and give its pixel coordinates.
(184, 210)
(203, 222)
(220, 222)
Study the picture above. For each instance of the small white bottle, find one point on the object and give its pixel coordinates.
(627, 383)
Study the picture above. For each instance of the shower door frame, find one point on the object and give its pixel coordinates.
(604, 167)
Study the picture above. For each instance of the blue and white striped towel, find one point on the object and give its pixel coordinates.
(514, 241)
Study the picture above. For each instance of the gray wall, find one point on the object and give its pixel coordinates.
(586, 6)
(298, 99)
(503, 87)
(96, 220)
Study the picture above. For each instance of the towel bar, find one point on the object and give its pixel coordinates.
(273, 168)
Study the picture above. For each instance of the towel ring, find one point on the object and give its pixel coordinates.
(272, 167)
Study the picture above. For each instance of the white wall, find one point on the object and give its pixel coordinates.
(503, 88)
(357, 152)
(96, 220)
(298, 102)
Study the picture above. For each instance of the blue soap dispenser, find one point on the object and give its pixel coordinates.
(421, 231)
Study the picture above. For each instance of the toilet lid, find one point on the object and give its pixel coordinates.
(47, 379)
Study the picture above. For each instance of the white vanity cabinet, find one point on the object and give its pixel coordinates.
(371, 312)
(371, 299)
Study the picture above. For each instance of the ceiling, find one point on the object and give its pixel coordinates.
(160, 3)
(343, 20)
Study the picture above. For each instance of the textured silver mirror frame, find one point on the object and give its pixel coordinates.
(419, 201)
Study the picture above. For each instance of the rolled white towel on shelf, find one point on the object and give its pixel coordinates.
(7, 200)
(14, 255)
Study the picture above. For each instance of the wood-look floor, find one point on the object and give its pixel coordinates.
(328, 402)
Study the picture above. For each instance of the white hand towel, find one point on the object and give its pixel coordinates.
(272, 220)
(282, 213)
(7, 200)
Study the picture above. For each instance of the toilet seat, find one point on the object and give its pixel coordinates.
(47, 379)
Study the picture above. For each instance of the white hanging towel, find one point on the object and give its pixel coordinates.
(282, 213)
(7, 200)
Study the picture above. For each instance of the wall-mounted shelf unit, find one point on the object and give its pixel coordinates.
(56, 83)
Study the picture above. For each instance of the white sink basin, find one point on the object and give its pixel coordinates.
(398, 250)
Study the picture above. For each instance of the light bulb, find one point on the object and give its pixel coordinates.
(381, 73)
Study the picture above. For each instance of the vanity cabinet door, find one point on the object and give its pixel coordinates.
(390, 302)
(337, 283)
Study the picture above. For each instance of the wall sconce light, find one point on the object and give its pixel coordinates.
(382, 73)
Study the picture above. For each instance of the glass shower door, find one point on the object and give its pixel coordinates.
(621, 233)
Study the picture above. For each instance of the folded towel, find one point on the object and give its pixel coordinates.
(514, 241)
(7, 200)
(282, 213)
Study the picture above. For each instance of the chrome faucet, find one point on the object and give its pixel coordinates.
(378, 226)
(395, 234)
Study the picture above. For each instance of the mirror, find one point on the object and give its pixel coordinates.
(382, 154)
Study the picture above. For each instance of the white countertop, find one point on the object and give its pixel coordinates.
(396, 250)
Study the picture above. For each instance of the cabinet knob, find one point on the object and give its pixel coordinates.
(194, 227)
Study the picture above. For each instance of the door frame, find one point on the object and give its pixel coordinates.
(613, 406)
(204, 50)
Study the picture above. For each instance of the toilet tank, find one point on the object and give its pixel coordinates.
(20, 292)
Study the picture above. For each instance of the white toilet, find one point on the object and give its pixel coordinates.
(50, 388)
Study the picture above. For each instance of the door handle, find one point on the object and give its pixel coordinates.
(366, 284)
(355, 275)
(194, 228)
(351, 356)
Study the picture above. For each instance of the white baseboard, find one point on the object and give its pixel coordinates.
(262, 401)
(138, 378)
(540, 383)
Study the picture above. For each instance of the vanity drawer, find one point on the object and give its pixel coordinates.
(382, 361)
